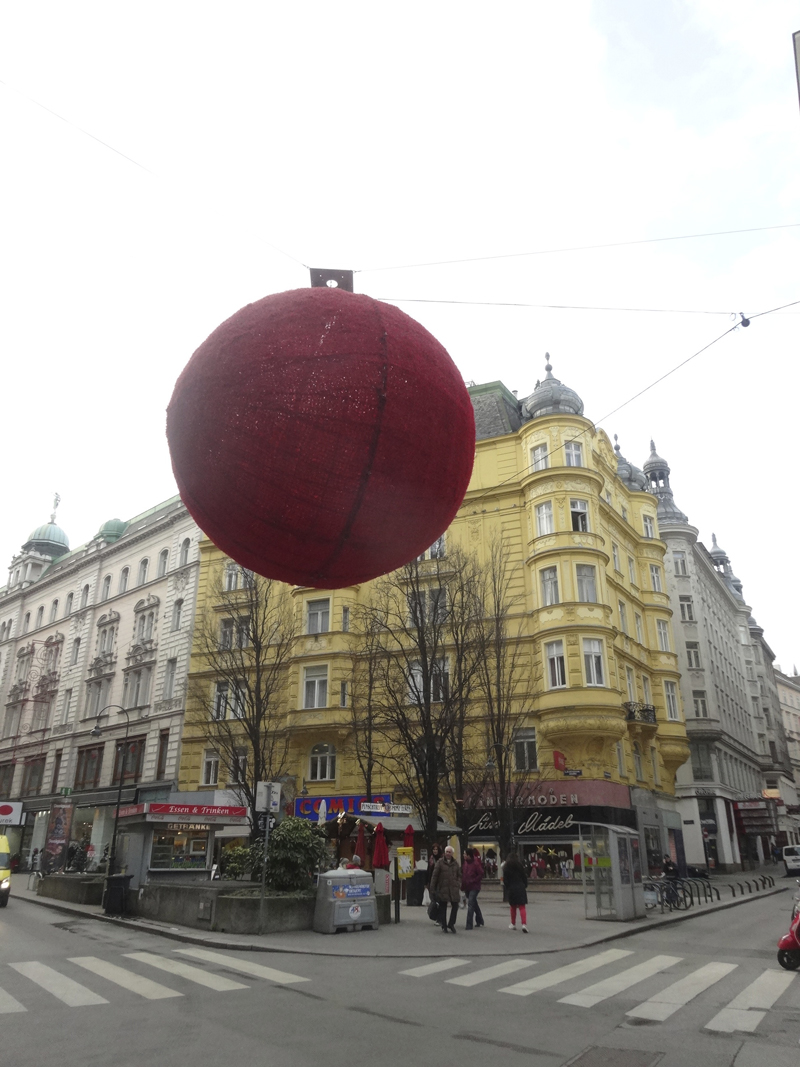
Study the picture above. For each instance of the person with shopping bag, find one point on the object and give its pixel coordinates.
(446, 888)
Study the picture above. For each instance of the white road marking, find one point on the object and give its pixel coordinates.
(144, 987)
(563, 974)
(9, 1004)
(65, 989)
(675, 996)
(185, 970)
(762, 993)
(434, 968)
(488, 973)
(258, 970)
(609, 987)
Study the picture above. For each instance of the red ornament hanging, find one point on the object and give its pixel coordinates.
(321, 437)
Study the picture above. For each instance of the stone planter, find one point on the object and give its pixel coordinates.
(74, 888)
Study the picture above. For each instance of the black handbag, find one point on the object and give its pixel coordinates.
(433, 910)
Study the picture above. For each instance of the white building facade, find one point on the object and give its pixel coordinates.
(734, 791)
(94, 639)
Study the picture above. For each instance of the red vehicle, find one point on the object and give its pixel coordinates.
(789, 944)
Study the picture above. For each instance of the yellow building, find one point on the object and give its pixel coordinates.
(599, 712)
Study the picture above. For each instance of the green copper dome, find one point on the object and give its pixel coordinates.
(112, 530)
(49, 539)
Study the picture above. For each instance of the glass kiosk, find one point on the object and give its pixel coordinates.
(612, 872)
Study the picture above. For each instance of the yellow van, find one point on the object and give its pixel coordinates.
(5, 871)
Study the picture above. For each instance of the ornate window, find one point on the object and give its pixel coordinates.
(318, 616)
(128, 760)
(573, 454)
(163, 562)
(525, 750)
(90, 763)
(544, 518)
(177, 613)
(556, 667)
(143, 565)
(579, 515)
(84, 596)
(184, 556)
(54, 611)
(587, 585)
(123, 579)
(549, 577)
(40, 616)
(593, 661)
(106, 591)
(539, 459)
(316, 687)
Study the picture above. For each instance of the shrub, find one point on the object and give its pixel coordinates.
(296, 848)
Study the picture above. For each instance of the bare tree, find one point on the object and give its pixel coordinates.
(422, 620)
(502, 774)
(238, 698)
(364, 690)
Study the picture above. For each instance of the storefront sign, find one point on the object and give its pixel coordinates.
(562, 794)
(308, 807)
(190, 813)
(386, 809)
(10, 814)
(533, 822)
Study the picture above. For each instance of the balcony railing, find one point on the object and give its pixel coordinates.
(636, 712)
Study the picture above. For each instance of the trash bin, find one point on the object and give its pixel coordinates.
(115, 898)
(345, 901)
(415, 889)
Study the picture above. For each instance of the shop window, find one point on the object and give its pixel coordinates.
(318, 616)
(89, 765)
(128, 761)
(163, 749)
(525, 750)
(180, 848)
(33, 777)
(322, 767)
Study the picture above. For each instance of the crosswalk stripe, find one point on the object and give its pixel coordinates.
(144, 987)
(65, 989)
(563, 974)
(258, 970)
(609, 987)
(185, 970)
(488, 973)
(9, 1004)
(434, 968)
(762, 993)
(675, 996)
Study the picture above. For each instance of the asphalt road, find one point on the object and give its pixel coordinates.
(705, 993)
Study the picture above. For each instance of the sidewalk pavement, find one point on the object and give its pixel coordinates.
(556, 923)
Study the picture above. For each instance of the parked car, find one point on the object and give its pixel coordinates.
(791, 859)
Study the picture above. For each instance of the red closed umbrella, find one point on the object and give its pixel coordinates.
(408, 836)
(361, 847)
(380, 851)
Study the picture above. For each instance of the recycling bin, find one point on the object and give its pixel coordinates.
(345, 901)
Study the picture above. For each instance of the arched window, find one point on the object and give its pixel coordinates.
(163, 561)
(3, 632)
(123, 579)
(148, 626)
(106, 588)
(68, 605)
(26, 622)
(54, 611)
(76, 647)
(323, 763)
(184, 558)
(84, 596)
(40, 616)
(177, 612)
(143, 571)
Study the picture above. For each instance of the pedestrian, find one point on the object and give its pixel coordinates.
(433, 859)
(776, 853)
(446, 888)
(516, 882)
(471, 880)
(354, 864)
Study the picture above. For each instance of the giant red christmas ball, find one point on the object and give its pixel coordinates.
(321, 437)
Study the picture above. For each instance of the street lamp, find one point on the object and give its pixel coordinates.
(95, 732)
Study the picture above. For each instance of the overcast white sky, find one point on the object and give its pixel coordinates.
(366, 135)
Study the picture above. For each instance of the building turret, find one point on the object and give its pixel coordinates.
(551, 397)
(628, 473)
(656, 471)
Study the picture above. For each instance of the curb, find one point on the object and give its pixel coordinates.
(234, 946)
